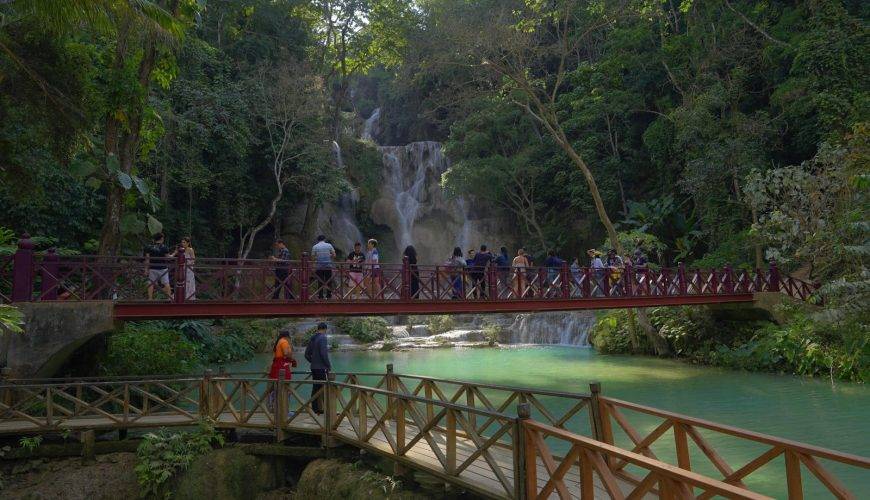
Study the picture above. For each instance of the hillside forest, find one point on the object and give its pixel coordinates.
(708, 132)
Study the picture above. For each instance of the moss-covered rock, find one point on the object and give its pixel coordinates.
(337, 480)
(228, 474)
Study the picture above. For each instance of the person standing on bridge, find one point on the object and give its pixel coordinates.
(281, 271)
(323, 253)
(282, 359)
(158, 272)
(317, 353)
(520, 263)
(189, 261)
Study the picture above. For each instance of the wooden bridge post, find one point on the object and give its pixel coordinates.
(681, 279)
(390, 385)
(595, 411)
(22, 270)
(180, 277)
(304, 277)
(450, 431)
(281, 404)
(205, 394)
(329, 389)
(48, 271)
(525, 457)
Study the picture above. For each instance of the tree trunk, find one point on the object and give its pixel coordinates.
(311, 210)
(123, 144)
(660, 344)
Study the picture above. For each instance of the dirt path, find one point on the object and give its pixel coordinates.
(111, 477)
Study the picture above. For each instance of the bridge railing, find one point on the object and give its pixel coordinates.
(44, 407)
(594, 459)
(672, 432)
(465, 428)
(441, 436)
(46, 277)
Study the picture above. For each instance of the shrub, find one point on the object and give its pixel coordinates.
(162, 454)
(440, 324)
(492, 332)
(149, 349)
(365, 330)
(610, 333)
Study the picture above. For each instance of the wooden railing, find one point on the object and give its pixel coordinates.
(482, 436)
(595, 458)
(685, 430)
(28, 276)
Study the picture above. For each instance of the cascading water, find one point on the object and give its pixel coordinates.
(408, 169)
(370, 126)
(570, 328)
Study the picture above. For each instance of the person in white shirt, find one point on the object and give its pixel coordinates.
(323, 253)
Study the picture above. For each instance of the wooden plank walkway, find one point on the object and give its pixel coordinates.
(478, 477)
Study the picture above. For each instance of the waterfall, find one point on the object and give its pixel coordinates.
(369, 126)
(407, 168)
(569, 328)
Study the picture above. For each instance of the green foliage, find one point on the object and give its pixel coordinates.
(11, 319)
(366, 330)
(492, 333)
(149, 349)
(161, 455)
(802, 345)
(610, 334)
(440, 324)
(30, 443)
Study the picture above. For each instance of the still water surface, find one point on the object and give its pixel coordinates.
(809, 410)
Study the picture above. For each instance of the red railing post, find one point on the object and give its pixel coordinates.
(728, 278)
(587, 283)
(714, 281)
(492, 282)
(22, 270)
(629, 280)
(543, 282)
(681, 279)
(305, 276)
(48, 270)
(406, 279)
(180, 277)
(566, 283)
(774, 277)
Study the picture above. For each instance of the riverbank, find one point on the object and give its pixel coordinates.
(796, 343)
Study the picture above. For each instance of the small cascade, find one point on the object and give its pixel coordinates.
(370, 126)
(571, 328)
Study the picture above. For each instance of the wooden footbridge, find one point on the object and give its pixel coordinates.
(494, 440)
(266, 288)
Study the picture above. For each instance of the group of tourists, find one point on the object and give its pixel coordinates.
(156, 263)
(466, 274)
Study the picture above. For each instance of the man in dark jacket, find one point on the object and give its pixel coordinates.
(317, 353)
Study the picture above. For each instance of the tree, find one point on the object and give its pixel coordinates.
(531, 47)
(289, 107)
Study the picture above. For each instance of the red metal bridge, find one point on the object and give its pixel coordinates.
(266, 288)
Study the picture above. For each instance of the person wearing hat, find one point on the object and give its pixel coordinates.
(616, 266)
(597, 271)
(317, 354)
